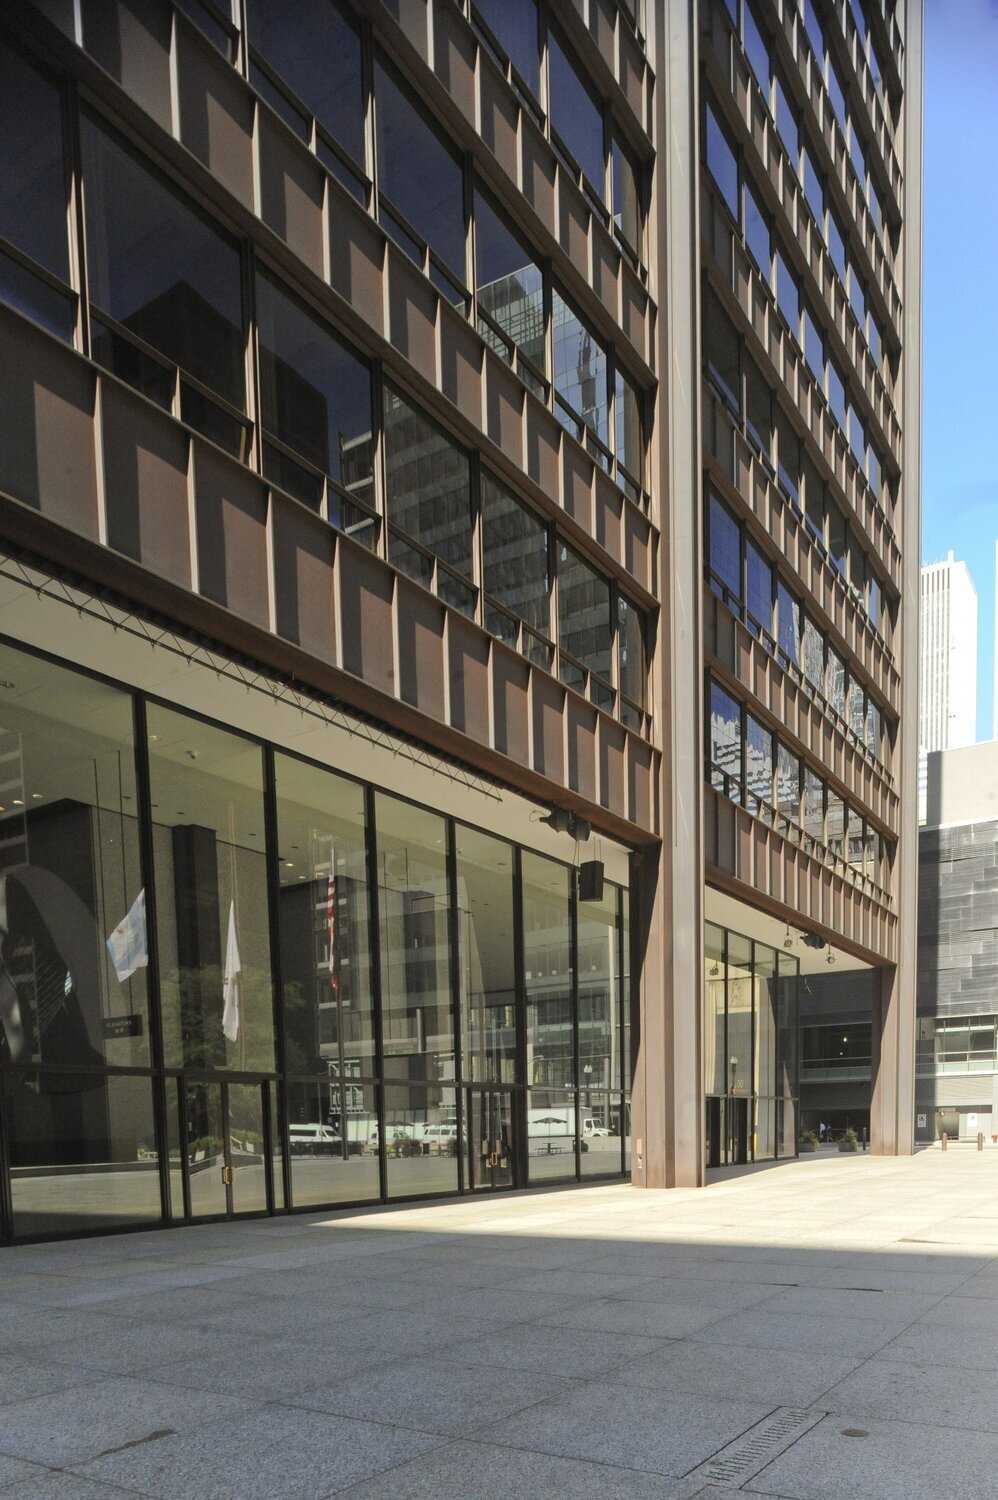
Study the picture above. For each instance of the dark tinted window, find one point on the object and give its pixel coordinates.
(722, 162)
(575, 114)
(513, 23)
(418, 173)
(813, 190)
(721, 351)
(814, 349)
(317, 53)
(428, 487)
(725, 742)
(160, 268)
(836, 246)
(758, 408)
(580, 368)
(631, 648)
(757, 234)
(583, 612)
(835, 94)
(758, 587)
(724, 546)
(626, 194)
(786, 124)
(788, 622)
(787, 295)
(788, 458)
(316, 393)
(758, 760)
(33, 180)
(836, 394)
(515, 542)
(756, 50)
(510, 285)
(629, 425)
(837, 537)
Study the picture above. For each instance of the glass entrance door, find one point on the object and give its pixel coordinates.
(226, 1156)
(489, 1134)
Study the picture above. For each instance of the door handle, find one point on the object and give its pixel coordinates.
(227, 1176)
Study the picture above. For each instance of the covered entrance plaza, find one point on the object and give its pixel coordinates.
(820, 1330)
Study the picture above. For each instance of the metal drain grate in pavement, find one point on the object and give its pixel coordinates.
(744, 1457)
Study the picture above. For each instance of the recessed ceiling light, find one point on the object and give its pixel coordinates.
(36, 796)
(18, 802)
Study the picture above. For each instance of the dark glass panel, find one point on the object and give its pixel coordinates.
(580, 368)
(756, 50)
(721, 352)
(788, 783)
(418, 172)
(758, 763)
(421, 1142)
(293, 477)
(324, 924)
(724, 547)
(214, 421)
(127, 360)
(757, 234)
(627, 213)
(836, 95)
(788, 616)
(740, 995)
(629, 425)
(33, 182)
(211, 895)
(428, 483)
(764, 1050)
(34, 297)
(725, 742)
(788, 295)
(333, 1140)
(814, 805)
(583, 612)
(486, 968)
(315, 391)
(631, 650)
(510, 286)
(788, 466)
(758, 409)
(814, 502)
(414, 918)
(814, 191)
(837, 246)
(837, 537)
(515, 543)
(814, 349)
(758, 587)
(857, 437)
(599, 995)
(209, 25)
(73, 947)
(786, 124)
(161, 269)
(815, 34)
(576, 114)
(513, 23)
(82, 1152)
(714, 1050)
(836, 394)
(552, 1122)
(722, 162)
(548, 977)
(317, 53)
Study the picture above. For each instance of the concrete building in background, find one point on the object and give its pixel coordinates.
(948, 670)
(459, 540)
(957, 1070)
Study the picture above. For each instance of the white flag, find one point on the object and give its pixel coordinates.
(230, 982)
(127, 944)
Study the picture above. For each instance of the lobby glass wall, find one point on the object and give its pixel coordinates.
(236, 982)
(750, 1049)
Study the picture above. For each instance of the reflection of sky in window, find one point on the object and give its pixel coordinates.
(575, 116)
(319, 58)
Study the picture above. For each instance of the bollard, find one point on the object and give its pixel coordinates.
(942, 1140)
(980, 1140)
(864, 1137)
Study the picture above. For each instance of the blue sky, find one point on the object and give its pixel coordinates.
(960, 307)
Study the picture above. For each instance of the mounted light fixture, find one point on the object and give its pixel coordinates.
(788, 941)
(829, 956)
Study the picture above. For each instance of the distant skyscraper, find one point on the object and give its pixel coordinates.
(948, 668)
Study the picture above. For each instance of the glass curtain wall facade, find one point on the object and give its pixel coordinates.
(750, 1038)
(233, 981)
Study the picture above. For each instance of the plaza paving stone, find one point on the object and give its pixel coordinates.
(599, 1342)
